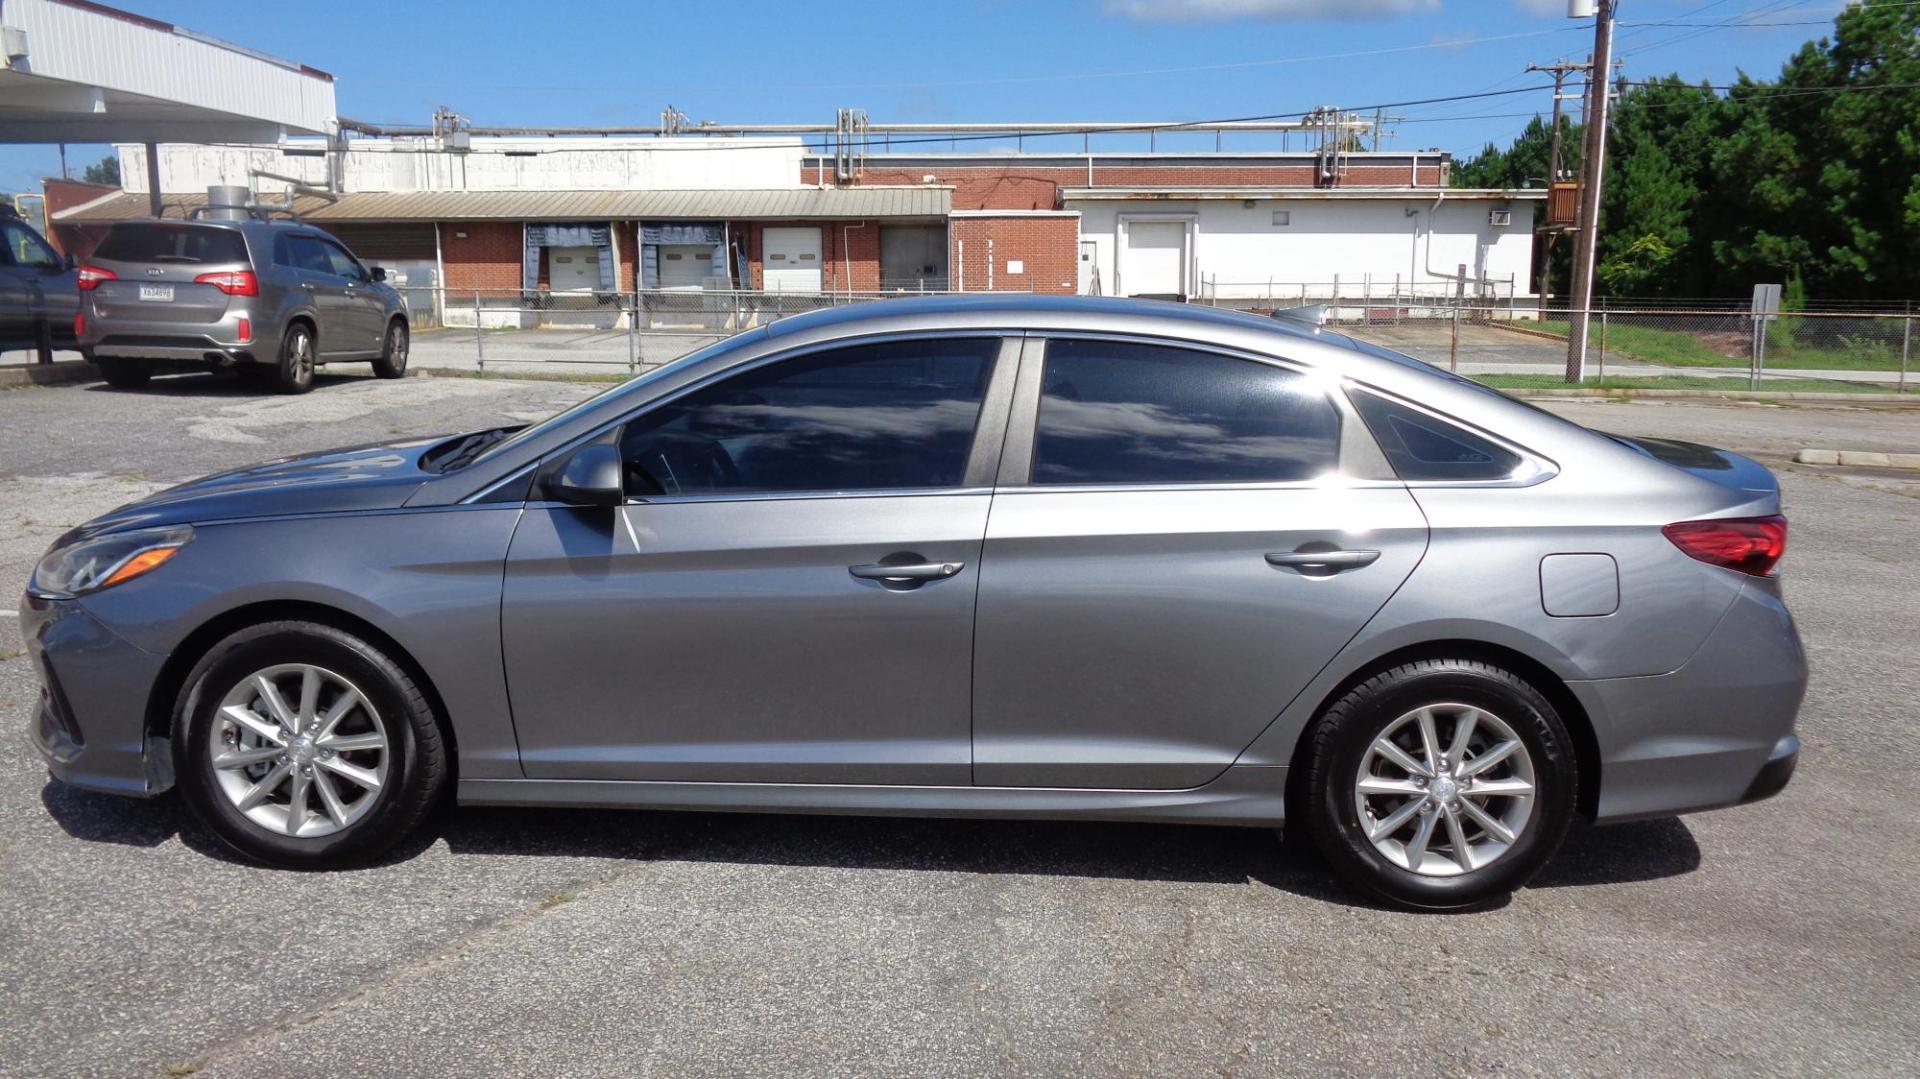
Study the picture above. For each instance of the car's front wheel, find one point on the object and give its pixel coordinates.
(1440, 784)
(393, 351)
(302, 745)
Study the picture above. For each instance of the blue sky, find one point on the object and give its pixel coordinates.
(576, 62)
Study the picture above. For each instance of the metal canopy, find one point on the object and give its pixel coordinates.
(76, 71)
(807, 203)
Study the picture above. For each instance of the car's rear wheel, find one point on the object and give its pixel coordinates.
(296, 359)
(123, 373)
(1440, 784)
(305, 746)
(393, 353)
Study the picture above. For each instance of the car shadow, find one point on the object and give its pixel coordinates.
(1616, 854)
(224, 384)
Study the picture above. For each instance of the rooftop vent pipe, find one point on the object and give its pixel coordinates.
(229, 202)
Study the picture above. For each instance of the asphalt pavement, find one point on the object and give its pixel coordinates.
(1780, 938)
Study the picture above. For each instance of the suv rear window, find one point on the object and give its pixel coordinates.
(171, 243)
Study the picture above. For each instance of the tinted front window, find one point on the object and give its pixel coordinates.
(343, 264)
(25, 248)
(1423, 447)
(171, 243)
(1129, 413)
(862, 418)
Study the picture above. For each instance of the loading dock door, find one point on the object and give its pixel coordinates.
(792, 259)
(686, 266)
(573, 269)
(913, 258)
(1155, 261)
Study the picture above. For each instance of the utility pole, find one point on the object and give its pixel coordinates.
(1556, 161)
(1593, 167)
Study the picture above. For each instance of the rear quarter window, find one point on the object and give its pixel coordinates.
(1421, 446)
(183, 244)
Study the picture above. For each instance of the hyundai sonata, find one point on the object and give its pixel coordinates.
(984, 556)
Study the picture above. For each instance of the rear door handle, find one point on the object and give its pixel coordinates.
(906, 571)
(1322, 561)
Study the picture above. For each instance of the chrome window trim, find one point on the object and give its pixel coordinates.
(778, 496)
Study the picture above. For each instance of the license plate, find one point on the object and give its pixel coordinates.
(163, 293)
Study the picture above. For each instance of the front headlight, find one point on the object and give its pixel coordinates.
(93, 564)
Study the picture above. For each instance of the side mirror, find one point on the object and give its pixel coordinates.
(591, 477)
(379, 273)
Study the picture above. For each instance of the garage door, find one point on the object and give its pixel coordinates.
(792, 259)
(686, 266)
(573, 269)
(1155, 263)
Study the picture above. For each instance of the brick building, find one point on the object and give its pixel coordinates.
(560, 224)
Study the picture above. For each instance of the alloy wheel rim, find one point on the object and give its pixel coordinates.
(303, 354)
(299, 750)
(1445, 789)
(397, 345)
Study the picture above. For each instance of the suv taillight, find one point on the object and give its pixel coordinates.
(1749, 544)
(232, 282)
(88, 278)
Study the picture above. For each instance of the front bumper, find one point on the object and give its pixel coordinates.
(1775, 773)
(91, 723)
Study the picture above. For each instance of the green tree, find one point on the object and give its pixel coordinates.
(106, 172)
(1811, 177)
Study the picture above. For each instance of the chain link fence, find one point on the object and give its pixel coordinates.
(1855, 346)
(478, 329)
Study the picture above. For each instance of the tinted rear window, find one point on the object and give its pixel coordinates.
(1124, 413)
(185, 244)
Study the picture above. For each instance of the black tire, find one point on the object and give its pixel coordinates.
(417, 768)
(393, 351)
(1341, 739)
(125, 374)
(298, 349)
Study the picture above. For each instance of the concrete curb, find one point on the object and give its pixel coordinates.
(47, 374)
(1859, 458)
(1911, 400)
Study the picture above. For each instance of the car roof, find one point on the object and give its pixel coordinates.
(1031, 310)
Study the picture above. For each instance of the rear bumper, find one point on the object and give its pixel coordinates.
(1717, 732)
(158, 339)
(169, 347)
(90, 724)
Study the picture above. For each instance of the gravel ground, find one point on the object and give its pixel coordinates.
(1775, 939)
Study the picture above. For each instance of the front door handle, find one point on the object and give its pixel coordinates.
(906, 571)
(1322, 562)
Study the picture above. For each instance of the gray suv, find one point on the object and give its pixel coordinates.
(36, 290)
(243, 289)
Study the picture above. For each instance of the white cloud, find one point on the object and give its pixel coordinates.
(1542, 7)
(1226, 10)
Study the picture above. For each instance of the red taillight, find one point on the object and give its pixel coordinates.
(232, 282)
(246, 331)
(89, 277)
(1749, 544)
(79, 324)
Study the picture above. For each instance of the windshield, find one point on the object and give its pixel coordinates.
(633, 385)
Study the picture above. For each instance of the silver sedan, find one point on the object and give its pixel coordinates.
(989, 556)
